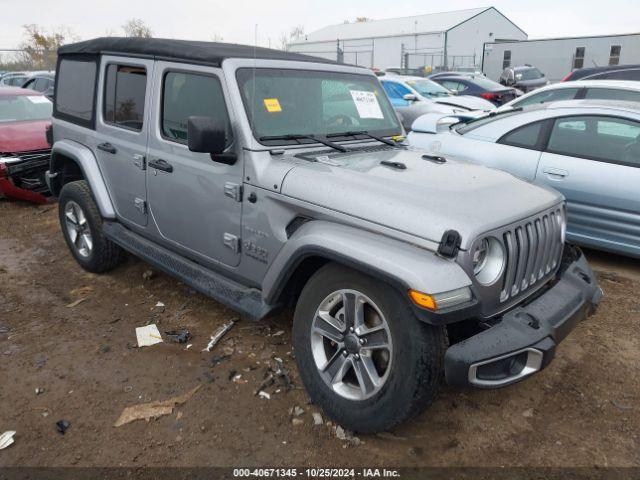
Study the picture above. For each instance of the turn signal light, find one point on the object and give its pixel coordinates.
(423, 300)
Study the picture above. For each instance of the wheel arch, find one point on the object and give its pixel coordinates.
(72, 161)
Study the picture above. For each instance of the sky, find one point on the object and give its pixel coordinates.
(235, 21)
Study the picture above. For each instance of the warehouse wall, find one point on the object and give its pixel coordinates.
(555, 56)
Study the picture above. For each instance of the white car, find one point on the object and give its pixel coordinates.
(622, 90)
(589, 150)
(415, 96)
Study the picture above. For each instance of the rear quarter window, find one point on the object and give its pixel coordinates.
(75, 91)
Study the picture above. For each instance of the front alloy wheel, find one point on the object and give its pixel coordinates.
(78, 229)
(351, 344)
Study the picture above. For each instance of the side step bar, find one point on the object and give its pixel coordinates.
(247, 301)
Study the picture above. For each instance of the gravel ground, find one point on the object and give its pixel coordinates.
(71, 334)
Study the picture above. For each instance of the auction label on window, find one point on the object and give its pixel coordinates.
(367, 104)
(272, 105)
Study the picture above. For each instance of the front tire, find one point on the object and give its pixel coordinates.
(363, 355)
(81, 225)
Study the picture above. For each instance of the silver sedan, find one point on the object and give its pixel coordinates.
(589, 150)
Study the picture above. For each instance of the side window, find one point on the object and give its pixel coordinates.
(548, 96)
(453, 86)
(75, 91)
(607, 139)
(613, 94)
(124, 92)
(190, 94)
(578, 58)
(524, 137)
(614, 54)
(389, 87)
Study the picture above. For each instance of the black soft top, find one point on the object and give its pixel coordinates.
(210, 53)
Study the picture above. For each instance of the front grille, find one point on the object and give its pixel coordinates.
(34, 154)
(533, 249)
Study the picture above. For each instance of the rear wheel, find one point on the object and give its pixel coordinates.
(363, 355)
(81, 225)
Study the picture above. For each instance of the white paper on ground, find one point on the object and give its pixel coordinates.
(148, 335)
(366, 103)
(6, 439)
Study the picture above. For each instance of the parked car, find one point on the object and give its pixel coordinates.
(579, 90)
(589, 150)
(13, 79)
(608, 72)
(463, 73)
(413, 72)
(478, 87)
(24, 149)
(525, 78)
(243, 172)
(41, 82)
(415, 96)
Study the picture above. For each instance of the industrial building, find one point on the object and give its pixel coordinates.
(557, 57)
(439, 40)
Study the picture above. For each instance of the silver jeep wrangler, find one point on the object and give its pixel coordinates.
(267, 179)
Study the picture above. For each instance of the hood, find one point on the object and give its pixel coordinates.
(466, 101)
(23, 136)
(424, 200)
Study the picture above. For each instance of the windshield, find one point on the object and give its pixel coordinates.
(428, 88)
(528, 74)
(302, 102)
(24, 108)
(467, 126)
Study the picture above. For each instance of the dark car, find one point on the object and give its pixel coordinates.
(41, 82)
(609, 72)
(24, 150)
(525, 78)
(478, 87)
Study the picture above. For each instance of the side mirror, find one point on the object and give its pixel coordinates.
(410, 97)
(208, 135)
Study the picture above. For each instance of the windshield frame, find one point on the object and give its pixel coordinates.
(396, 131)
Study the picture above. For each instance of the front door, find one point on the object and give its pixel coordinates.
(595, 162)
(194, 201)
(121, 133)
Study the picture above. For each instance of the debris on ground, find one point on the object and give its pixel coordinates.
(296, 422)
(147, 411)
(159, 308)
(76, 303)
(528, 413)
(148, 275)
(347, 436)
(621, 406)
(148, 335)
(218, 359)
(278, 333)
(81, 292)
(263, 394)
(179, 336)
(317, 419)
(6, 439)
(218, 334)
(39, 391)
(276, 373)
(62, 426)
(296, 411)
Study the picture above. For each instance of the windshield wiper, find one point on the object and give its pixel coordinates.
(366, 134)
(297, 137)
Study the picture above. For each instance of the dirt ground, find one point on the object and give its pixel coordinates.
(584, 410)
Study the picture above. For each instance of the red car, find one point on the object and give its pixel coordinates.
(25, 116)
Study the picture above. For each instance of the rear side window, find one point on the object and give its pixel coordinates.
(613, 94)
(188, 94)
(524, 137)
(124, 92)
(75, 92)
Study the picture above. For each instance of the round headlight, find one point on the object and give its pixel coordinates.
(488, 260)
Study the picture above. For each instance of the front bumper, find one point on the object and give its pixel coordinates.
(525, 339)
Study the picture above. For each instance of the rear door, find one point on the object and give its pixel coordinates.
(595, 162)
(121, 133)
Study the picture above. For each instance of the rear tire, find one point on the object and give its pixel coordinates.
(81, 225)
(404, 380)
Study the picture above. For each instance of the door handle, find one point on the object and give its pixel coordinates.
(160, 164)
(107, 147)
(557, 173)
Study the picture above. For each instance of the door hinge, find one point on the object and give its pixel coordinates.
(140, 161)
(233, 190)
(141, 205)
(231, 241)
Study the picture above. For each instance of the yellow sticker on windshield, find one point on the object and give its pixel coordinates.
(272, 105)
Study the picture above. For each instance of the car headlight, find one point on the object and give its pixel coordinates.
(488, 260)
